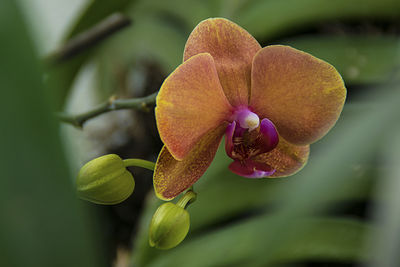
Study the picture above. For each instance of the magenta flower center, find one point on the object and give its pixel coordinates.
(247, 137)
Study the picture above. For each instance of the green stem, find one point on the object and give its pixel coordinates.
(142, 103)
(188, 198)
(139, 163)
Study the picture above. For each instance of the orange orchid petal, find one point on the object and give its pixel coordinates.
(286, 158)
(190, 103)
(171, 177)
(233, 50)
(301, 94)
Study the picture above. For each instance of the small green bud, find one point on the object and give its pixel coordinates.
(105, 180)
(169, 226)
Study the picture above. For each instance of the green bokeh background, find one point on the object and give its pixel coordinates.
(342, 209)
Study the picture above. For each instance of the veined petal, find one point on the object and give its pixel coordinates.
(190, 103)
(301, 94)
(171, 177)
(286, 158)
(232, 48)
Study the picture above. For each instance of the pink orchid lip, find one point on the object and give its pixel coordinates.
(242, 143)
(251, 169)
(266, 140)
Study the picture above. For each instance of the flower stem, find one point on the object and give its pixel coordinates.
(142, 103)
(188, 198)
(139, 163)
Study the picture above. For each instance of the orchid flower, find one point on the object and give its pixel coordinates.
(271, 103)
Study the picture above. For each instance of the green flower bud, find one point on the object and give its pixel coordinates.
(105, 180)
(169, 226)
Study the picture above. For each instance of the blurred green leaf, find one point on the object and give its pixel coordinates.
(270, 18)
(62, 75)
(183, 14)
(41, 222)
(385, 241)
(142, 253)
(96, 11)
(360, 59)
(312, 238)
(151, 39)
